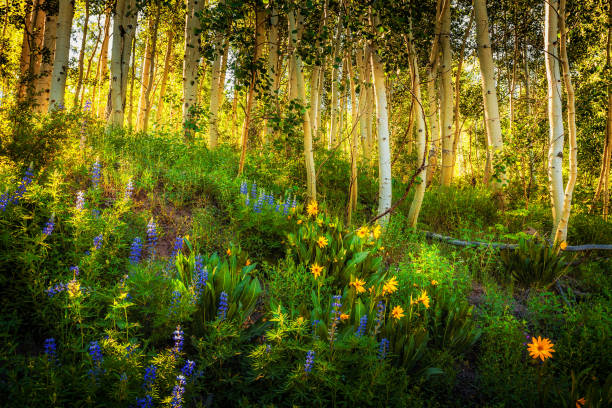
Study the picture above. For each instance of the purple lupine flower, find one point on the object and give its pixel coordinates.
(188, 368)
(23, 186)
(178, 340)
(254, 190)
(309, 361)
(97, 241)
(149, 377)
(80, 202)
(244, 188)
(96, 172)
(151, 238)
(175, 302)
(380, 316)
(178, 245)
(315, 323)
(96, 353)
(4, 200)
(222, 311)
(49, 227)
(383, 349)
(177, 392)
(200, 277)
(335, 317)
(129, 189)
(146, 402)
(135, 250)
(51, 349)
(74, 270)
(363, 322)
(52, 291)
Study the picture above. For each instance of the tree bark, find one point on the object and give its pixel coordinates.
(213, 131)
(446, 100)
(164, 80)
(190, 65)
(489, 92)
(273, 60)
(335, 108)
(102, 72)
(62, 50)
(555, 119)
(24, 61)
(148, 74)
(43, 86)
(79, 83)
(89, 62)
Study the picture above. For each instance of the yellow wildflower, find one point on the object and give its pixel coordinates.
(362, 232)
(376, 231)
(248, 262)
(541, 348)
(580, 402)
(563, 245)
(434, 282)
(316, 270)
(344, 316)
(397, 312)
(228, 252)
(313, 208)
(390, 286)
(322, 242)
(424, 299)
(74, 288)
(358, 284)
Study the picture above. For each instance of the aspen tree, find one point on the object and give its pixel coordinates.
(79, 83)
(273, 58)
(43, 86)
(335, 103)
(489, 93)
(62, 49)
(190, 64)
(213, 131)
(446, 100)
(165, 73)
(102, 73)
(148, 73)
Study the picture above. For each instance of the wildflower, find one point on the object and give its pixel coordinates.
(315, 323)
(95, 173)
(380, 316)
(580, 402)
(201, 276)
(178, 245)
(254, 190)
(80, 202)
(229, 252)
(247, 263)
(362, 232)
(25, 182)
(51, 349)
(424, 299)
(97, 242)
(49, 227)
(96, 353)
(313, 208)
(129, 189)
(268, 348)
(541, 348)
(178, 340)
(175, 302)
(294, 203)
(397, 312)
(188, 368)
(344, 316)
(309, 361)
(322, 242)
(316, 270)
(4, 200)
(75, 271)
(376, 231)
(73, 288)
(52, 291)
(244, 188)
(390, 286)
(383, 349)
(222, 311)
(299, 222)
(146, 402)
(177, 393)
(358, 285)
(434, 282)
(135, 250)
(363, 323)
(563, 245)
(151, 237)
(286, 205)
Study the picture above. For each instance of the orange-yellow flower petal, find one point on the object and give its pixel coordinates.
(313, 208)
(316, 270)
(540, 348)
(397, 312)
(358, 284)
(322, 242)
(390, 286)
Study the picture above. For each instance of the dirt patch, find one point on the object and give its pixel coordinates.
(477, 295)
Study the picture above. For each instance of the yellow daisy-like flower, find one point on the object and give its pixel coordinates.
(397, 312)
(299, 222)
(248, 262)
(319, 222)
(434, 282)
(358, 285)
(322, 242)
(390, 286)
(424, 299)
(381, 249)
(580, 402)
(541, 348)
(229, 251)
(316, 270)
(344, 316)
(74, 288)
(376, 231)
(563, 245)
(313, 208)
(362, 232)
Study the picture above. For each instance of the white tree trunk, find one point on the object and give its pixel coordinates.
(44, 82)
(273, 58)
(335, 103)
(62, 50)
(166, 72)
(190, 63)
(213, 131)
(555, 115)
(382, 130)
(489, 94)
(102, 73)
(446, 100)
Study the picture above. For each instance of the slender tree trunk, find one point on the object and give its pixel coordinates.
(213, 132)
(132, 80)
(555, 119)
(164, 80)
(24, 61)
(43, 86)
(561, 232)
(446, 100)
(273, 59)
(89, 62)
(102, 72)
(144, 111)
(382, 130)
(79, 83)
(421, 141)
(62, 49)
(354, 139)
(190, 64)
(222, 74)
(36, 47)
(335, 109)
(489, 93)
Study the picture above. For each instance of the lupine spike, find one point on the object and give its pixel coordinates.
(49, 226)
(151, 238)
(223, 306)
(309, 361)
(136, 251)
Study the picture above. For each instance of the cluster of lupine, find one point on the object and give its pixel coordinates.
(135, 250)
(178, 245)
(178, 338)
(6, 198)
(54, 290)
(151, 237)
(97, 241)
(145, 402)
(95, 213)
(335, 317)
(95, 352)
(177, 392)
(383, 349)
(129, 189)
(75, 271)
(363, 323)
(49, 227)
(200, 276)
(175, 302)
(51, 349)
(315, 323)
(96, 172)
(149, 379)
(265, 199)
(309, 361)
(380, 316)
(223, 306)
(188, 368)
(80, 201)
